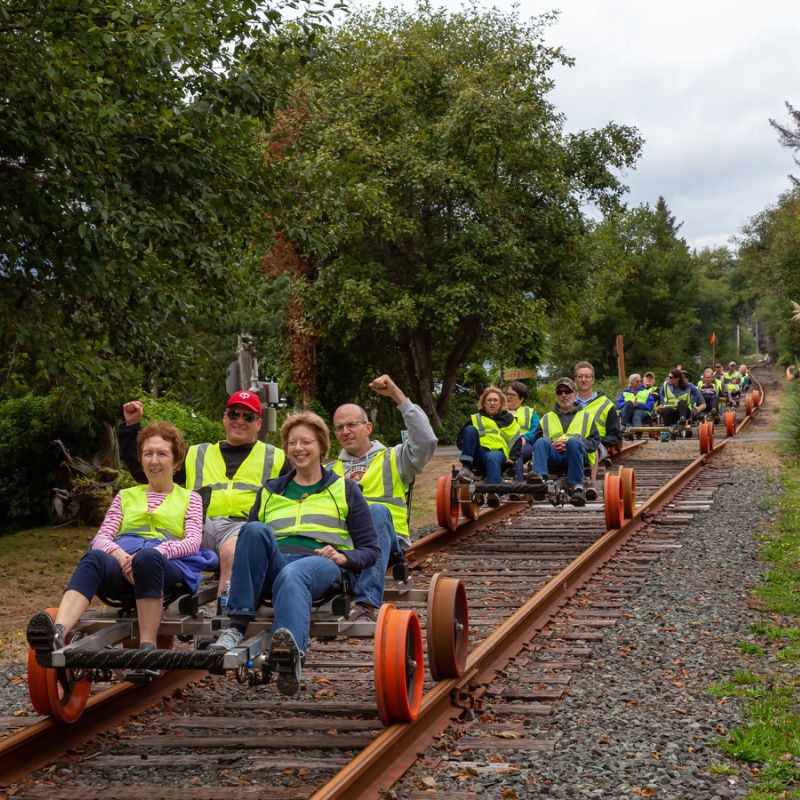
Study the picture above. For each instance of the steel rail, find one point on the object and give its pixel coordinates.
(387, 759)
(19, 756)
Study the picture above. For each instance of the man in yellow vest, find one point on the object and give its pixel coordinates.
(227, 474)
(604, 411)
(563, 438)
(384, 475)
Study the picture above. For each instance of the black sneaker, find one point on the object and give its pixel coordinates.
(284, 658)
(578, 497)
(43, 634)
(492, 500)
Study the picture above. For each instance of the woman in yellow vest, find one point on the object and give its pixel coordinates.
(304, 529)
(489, 440)
(148, 542)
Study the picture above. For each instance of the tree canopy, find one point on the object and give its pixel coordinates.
(426, 177)
(131, 187)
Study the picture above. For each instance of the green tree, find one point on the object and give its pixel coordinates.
(643, 285)
(427, 177)
(131, 188)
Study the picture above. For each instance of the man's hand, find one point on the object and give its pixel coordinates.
(388, 388)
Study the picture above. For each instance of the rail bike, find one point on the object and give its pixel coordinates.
(456, 498)
(102, 647)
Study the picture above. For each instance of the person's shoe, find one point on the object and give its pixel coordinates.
(227, 640)
(363, 613)
(578, 496)
(537, 480)
(492, 500)
(464, 475)
(284, 658)
(43, 634)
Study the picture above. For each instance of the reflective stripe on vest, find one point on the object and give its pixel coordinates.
(165, 522)
(321, 516)
(492, 436)
(381, 483)
(599, 408)
(640, 396)
(523, 415)
(579, 427)
(205, 467)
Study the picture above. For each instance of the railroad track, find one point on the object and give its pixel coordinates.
(520, 565)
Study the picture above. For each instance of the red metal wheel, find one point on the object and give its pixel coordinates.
(756, 398)
(469, 508)
(748, 404)
(399, 672)
(730, 422)
(703, 437)
(448, 627)
(37, 685)
(612, 498)
(627, 476)
(446, 503)
(57, 691)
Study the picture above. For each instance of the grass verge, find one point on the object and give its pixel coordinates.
(769, 742)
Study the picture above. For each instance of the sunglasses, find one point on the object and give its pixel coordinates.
(563, 391)
(234, 413)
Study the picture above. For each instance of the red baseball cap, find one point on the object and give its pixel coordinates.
(249, 399)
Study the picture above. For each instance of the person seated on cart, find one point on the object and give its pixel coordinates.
(147, 544)
(635, 404)
(732, 381)
(527, 419)
(679, 399)
(744, 378)
(709, 390)
(563, 439)
(304, 529)
(384, 475)
(604, 412)
(227, 474)
(489, 441)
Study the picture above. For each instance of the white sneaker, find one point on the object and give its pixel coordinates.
(227, 640)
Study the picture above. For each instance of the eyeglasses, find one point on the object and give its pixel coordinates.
(348, 426)
(563, 391)
(234, 413)
(511, 394)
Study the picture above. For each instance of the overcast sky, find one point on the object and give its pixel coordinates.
(700, 81)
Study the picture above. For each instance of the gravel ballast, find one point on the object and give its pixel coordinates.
(638, 719)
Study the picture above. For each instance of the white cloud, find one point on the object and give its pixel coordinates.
(700, 81)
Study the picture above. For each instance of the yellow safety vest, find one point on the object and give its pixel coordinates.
(579, 427)
(381, 484)
(524, 416)
(599, 408)
(234, 497)
(321, 516)
(640, 395)
(165, 522)
(492, 436)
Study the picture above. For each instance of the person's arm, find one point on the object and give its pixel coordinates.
(415, 453)
(592, 441)
(105, 538)
(193, 531)
(613, 433)
(126, 436)
(366, 549)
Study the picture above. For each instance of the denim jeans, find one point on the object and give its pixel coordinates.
(488, 462)
(260, 569)
(633, 415)
(526, 454)
(369, 588)
(99, 573)
(547, 458)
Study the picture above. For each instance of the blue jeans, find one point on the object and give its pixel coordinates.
(526, 454)
(633, 415)
(369, 588)
(488, 462)
(99, 573)
(547, 458)
(260, 569)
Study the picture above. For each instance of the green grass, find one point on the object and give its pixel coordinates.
(768, 744)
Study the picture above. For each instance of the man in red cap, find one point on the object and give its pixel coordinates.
(227, 474)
